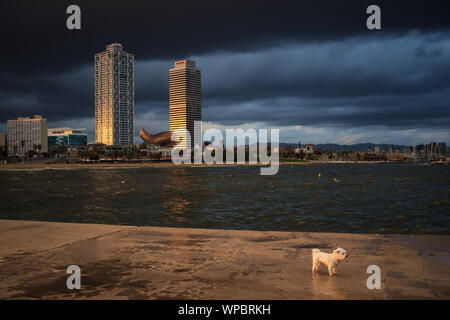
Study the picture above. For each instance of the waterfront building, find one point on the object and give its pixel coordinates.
(435, 149)
(114, 96)
(432, 149)
(420, 150)
(442, 148)
(309, 148)
(73, 138)
(25, 134)
(185, 101)
(163, 153)
(2, 139)
(97, 147)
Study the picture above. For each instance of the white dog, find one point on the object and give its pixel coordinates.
(329, 259)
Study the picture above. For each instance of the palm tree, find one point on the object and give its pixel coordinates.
(22, 143)
(143, 146)
(39, 146)
(302, 154)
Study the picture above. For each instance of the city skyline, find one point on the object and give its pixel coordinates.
(318, 82)
(108, 73)
(114, 95)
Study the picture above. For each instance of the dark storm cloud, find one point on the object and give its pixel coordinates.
(409, 112)
(355, 82)
(61, 95)
(357, 67)
(281, 62)
(34, 34)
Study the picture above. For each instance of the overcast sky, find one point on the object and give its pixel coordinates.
(310, 68)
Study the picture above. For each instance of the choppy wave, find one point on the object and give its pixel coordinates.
(344, 198)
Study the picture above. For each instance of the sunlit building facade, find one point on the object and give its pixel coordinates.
(114, 96)
(185, 102)
(26, 134)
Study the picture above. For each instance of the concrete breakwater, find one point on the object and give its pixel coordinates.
(126, 262)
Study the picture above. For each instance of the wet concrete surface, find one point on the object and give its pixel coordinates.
(122, 262)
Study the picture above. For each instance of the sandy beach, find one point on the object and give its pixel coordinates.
(126, 262)
(43, 165)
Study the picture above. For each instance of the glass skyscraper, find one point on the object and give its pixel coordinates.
(185, 101)
(114, 96)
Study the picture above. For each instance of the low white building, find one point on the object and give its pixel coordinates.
(26, 133)
(306, 149)
(165, 152)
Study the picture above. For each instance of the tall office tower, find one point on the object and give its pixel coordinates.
(114, 96)
(185, 101)
(25, 134)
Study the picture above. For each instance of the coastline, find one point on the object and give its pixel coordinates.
(41, 165)
(127, 262)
